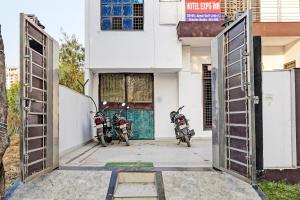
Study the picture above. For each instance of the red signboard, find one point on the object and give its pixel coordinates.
(203, 10)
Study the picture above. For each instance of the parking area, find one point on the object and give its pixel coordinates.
(162, 153)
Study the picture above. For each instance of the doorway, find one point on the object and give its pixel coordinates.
(137, 91)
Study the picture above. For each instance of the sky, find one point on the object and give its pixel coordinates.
(55, 15)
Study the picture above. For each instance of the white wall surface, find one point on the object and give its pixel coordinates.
(190, 86)
(156, 46)
(74, 120)
(272, 57)
(292, 52)
(277, 120)
(165, 101)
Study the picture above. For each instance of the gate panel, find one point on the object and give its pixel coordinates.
(236, 99)
(237, 102)
(35, 97)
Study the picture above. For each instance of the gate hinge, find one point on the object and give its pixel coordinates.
(256, 100)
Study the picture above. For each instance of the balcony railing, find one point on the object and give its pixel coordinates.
(264, 10)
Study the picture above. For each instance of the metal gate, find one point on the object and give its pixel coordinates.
(234, 109)
(39, 137)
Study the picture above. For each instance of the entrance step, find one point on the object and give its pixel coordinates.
(136, 185)
(141, 190)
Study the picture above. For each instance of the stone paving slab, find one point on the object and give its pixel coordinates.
(206, 186)
(66, 185)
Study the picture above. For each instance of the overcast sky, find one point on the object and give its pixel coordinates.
(53, 14)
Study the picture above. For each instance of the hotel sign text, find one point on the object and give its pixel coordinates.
(203, 10)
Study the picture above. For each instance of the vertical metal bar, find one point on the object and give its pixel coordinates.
(246, 80)
(45, 100)
(226, 107)
(251, 101)
(30, 69)
(242, 69)
(22, 90)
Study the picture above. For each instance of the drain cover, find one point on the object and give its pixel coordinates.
(136, 185)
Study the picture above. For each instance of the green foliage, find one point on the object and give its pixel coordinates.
(13, 118)
(129, 164)
(71, 59)
(280, 191)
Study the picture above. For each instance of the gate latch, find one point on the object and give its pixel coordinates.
(256, 100)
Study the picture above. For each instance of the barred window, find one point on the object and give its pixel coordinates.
(123, 15)
(207, 97)
(112, 88)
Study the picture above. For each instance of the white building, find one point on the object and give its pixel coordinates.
(162, 39)
(176, 66)
(12, 76)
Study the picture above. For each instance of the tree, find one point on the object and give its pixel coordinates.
(13, 117)
(4, 139)
(71, 59)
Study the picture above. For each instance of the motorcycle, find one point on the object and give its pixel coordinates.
(182, 127)
(103, 126)
(122, 126)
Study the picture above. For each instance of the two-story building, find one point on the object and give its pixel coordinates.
(155, 55)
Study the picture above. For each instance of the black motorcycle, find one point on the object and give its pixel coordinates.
(182, 128)
(103, 126)
(122, 126)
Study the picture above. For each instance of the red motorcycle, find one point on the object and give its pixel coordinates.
(103, 126)
(122, 126)
(182, 127)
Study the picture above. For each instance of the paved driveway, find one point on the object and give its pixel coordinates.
(162, 153)
(90, 181)
(93, 185)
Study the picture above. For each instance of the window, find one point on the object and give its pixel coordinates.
(140, 88)
(207, 97)
(130, 88)
(112, 88)
(123, 15)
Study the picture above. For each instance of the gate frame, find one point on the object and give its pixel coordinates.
(52, 140)
(219, 139)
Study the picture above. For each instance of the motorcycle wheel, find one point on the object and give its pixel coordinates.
(108, 139)
(187, 140)
(104, 144)
(126, 140)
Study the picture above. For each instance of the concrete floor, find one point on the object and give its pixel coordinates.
(162, 153)
(206, 186)
(93, 185)
(85, 184)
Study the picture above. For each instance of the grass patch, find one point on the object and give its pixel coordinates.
(129, 164)
(280, 191)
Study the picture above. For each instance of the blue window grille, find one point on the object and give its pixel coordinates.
(122, 15)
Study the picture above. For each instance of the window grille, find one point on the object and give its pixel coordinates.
(207, 97)
(122, 15)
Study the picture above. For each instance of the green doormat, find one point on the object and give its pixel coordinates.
(129, 164)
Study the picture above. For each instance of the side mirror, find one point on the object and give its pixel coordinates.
(123, 104)
(104, 103)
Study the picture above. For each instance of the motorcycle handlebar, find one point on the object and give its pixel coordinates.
(105, 108)
(180, 108)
